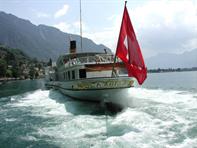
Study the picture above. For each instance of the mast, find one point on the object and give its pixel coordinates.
(81, 27)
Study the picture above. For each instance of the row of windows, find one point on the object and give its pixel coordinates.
(70, 75)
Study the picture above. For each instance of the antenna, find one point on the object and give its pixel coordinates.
(81, 27)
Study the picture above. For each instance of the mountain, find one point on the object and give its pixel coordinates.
(167, 60)
(42, 42)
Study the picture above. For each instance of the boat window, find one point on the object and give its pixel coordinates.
(64, 75)
(68, 75)
(82, 73)
(73, 74)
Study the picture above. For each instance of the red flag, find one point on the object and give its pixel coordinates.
(128, 50)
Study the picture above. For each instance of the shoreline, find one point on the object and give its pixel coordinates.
(6, 80)
(170, 70)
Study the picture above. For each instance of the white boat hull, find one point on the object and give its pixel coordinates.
(113, 90)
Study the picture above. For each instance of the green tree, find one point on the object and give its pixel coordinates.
(32, 72)
(39, 66)
(50, 62)
(8, 73)
(36, 74)
(15, 72)
(35, 60)
(3, 67)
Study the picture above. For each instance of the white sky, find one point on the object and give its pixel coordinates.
(160, 25)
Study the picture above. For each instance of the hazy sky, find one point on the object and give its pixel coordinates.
(160, 25)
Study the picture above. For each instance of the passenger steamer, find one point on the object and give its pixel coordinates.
(88, 76)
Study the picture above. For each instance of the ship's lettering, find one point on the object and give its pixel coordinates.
(103, 84)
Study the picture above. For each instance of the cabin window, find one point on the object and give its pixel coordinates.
(68, 75)
(82, 73)
(64, 75)
(73, 74)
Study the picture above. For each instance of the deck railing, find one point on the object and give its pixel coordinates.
(97, 59)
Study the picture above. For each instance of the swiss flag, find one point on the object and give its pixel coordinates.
(128, 50)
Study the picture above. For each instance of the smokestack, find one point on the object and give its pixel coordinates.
(73, 46)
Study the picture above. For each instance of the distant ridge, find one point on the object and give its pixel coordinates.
(187, 59)
(41, 42)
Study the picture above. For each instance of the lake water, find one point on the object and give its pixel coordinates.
(163, 114)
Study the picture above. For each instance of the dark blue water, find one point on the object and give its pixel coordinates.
(172, 81)
(163, 114)
(19, 87)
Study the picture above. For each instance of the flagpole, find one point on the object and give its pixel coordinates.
(113, 68)
(81, 28)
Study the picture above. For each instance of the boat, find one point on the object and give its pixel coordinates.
(101, 77)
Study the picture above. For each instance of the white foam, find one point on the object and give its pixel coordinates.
(10, 119)
(28, 138)
(156, 119)
(79, 127)
(185, 144)
(164, 96)
(42, 104)
(142, 126)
